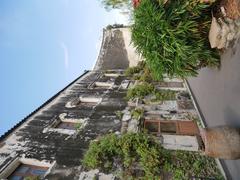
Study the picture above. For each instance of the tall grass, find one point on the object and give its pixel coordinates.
(173, 37)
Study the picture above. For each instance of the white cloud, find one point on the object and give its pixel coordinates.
(66, 55)
(98, 48)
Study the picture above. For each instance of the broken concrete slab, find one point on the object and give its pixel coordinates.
(133, 126)
(126, 117)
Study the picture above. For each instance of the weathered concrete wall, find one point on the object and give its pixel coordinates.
(37, 137)
(133, 56)
(178, 142)
(66, 150)
(117, 51)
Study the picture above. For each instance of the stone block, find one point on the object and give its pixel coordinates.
(133, 126)
(126, 117)
(215, 33)
(180, 142)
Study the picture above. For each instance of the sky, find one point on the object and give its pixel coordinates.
(44, 45)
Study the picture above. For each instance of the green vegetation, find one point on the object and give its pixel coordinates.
(146, 76)
(137, 113)
(131, 71)
(119, 114)
(144, 89)
(140, 72)
(173, 37)
(140, 91)
(185, 164)
(140, 155)
(78, 126)
(164, 95)
(126, 151)
(114, 26)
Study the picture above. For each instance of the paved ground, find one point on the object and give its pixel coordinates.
(217, 92)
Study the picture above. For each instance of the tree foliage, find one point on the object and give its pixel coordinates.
(173, 36)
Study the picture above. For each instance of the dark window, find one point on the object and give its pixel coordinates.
(102, 85)
(168, 127)
(171, 127)
(67, 125)
(76, 102)
(24, 170)
(152, 127)
(89, 103)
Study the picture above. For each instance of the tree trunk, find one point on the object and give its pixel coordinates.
(222, 142)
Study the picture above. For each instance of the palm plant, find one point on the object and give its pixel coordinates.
(173, 36)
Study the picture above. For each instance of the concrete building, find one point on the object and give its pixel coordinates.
(52, 140)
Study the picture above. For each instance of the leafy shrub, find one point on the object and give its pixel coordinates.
(137, 113)
(101, 151)
(128, 150)
(189, 164)
(144, 89)
(131, 150)
(140, 72)
(140, 91)
(173, 37)
(119, 114)
(131, 71)
(146, 76)
(114, 26)
(165, 95)
(78, 126)
(136, 77)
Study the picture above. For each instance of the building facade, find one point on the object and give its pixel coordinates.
(50, 143)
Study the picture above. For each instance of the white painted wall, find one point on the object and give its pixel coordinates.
(133, 56)
(180, 142)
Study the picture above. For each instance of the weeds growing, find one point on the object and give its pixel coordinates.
(144, 89)
(134, 153)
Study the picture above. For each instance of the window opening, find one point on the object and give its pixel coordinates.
(67, 125)
(171, 127)
(25, 170)
(168, 127)
(89, 101)
(102, 85)
(151, 126)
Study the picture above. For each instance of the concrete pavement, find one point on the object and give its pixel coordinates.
(217, 92)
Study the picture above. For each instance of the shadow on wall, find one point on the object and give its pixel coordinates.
(232, 118)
